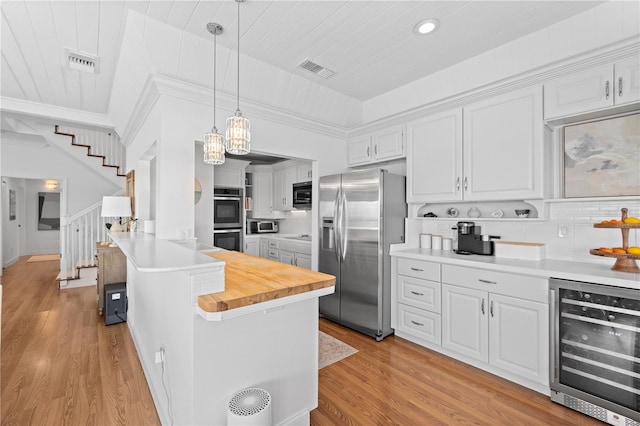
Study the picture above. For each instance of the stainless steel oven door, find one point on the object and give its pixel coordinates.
(595, 348)
(228, 239)
(227, 212)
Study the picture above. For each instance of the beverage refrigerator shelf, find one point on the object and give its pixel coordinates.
(600, 322)
(602, 351)
(601, 365)
(601, 380)
(599, 306)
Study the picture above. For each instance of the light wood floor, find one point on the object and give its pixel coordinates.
(61, 365)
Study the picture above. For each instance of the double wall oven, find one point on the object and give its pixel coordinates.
(228, 218)
(595, 350)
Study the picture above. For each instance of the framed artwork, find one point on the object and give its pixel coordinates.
(48, 211)
(12, 204)
(602, 158)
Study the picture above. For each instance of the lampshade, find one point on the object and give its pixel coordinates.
(238, 131)
(116, 207)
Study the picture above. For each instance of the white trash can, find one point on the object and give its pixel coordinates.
(251, 406)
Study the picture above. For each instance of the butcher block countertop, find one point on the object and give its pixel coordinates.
(250, 280)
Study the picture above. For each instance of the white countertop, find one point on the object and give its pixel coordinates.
(578, 271)
(149, 254)
(280, 237)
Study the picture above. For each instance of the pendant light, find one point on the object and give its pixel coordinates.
(238, 129)
(214, 141)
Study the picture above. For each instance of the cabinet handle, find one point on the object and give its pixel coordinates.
(417, 294)
(482, 306)
(417, 269)
(417, 323)
(368, 151)
(620, 87)
(458, 184)
(491, 308)
(487, 281)
(466, 184)
(606, 90)
(375, 149)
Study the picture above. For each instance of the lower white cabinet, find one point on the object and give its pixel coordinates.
(264, 248)
(465, 328)
(419, 323)
(252, 245)
(289, 252)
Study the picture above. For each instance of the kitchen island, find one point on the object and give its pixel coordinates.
(209, 324)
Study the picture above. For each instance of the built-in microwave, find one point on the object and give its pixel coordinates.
(302, 195)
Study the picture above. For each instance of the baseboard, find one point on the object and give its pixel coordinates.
(302, 418)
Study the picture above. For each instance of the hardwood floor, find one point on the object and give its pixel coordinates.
(395, 382)
(62, 365)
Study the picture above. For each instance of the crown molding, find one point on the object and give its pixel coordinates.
(161, 85)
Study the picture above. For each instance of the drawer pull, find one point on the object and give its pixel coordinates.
(482, 306)
(487, 281)
(416, 293)
(417, 269)
(491, 308)
(417, 323)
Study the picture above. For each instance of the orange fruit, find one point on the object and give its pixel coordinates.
(619, 250)
(605, 250)
(604, 222)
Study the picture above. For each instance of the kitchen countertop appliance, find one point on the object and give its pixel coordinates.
(471, 240)
(360, 214)
(262, 226)
(595, 350)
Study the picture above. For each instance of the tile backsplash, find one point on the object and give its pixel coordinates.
(568, 233)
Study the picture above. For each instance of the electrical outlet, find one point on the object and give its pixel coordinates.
(563, 230)
(159, 357)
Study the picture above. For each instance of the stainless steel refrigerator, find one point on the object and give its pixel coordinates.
(361, 214)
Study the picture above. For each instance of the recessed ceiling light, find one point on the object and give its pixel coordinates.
(427, 26)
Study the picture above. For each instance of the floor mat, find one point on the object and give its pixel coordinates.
(43, 258)
(331, 350)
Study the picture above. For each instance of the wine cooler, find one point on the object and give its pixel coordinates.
(595, 350)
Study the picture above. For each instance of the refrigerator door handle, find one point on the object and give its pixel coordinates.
(336, 226)
(344, 234)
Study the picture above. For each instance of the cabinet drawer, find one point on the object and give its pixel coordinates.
(419, 323)
(419, 293)
(515, 285)
(419, 269)
(274, 254)
(273, 243)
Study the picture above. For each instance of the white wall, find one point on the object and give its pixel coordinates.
(36, 241)
(595, 28)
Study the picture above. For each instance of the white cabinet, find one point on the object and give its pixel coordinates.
(283, 180)
(380, 146)
(490, 150)
(252, 245)
(230, 174)
(303, 260)
(303, 172)
(597, 88)
(264, 248)
(272, 250)
(295, 253)
(418, 296)
(434, 157)
(262, 197)
(507, 331)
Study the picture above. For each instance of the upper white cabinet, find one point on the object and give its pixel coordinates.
(283, 180)
(303, 171)
(230, 174)
(596, 88)
(434, 157)
(262, 194)
(384, 145)
(489, 150)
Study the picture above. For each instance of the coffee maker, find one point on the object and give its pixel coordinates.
(471, 240)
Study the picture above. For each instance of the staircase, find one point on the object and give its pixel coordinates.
(80, 232)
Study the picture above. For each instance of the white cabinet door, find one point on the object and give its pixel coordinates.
(262, 196)
(504, 147)
(388, 144)
(434, 158)
(359, 151)
(464, 321)
(252, 245)
(519, 337)
(283, 188)
(580, 92)
(627, 83)
(228, 177)
(303, 172)
(264, 248)
(287, 257)
(303, 260)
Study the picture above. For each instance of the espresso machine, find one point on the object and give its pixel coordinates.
(471, 240)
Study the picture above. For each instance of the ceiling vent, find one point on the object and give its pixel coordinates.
(82, 61)
(318, 70)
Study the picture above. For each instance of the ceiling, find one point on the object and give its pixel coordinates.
(369, 45)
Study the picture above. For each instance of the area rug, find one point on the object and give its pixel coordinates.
(331, 350)
(43, 257)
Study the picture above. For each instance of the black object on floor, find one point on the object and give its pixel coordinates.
(115, 303)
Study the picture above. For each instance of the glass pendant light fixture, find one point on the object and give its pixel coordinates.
(214, 141)
(238, 129)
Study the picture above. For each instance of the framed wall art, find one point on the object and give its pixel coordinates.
(602, 158)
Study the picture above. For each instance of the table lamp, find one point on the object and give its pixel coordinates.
(117, 207)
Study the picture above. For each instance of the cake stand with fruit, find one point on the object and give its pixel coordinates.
(626, 256)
